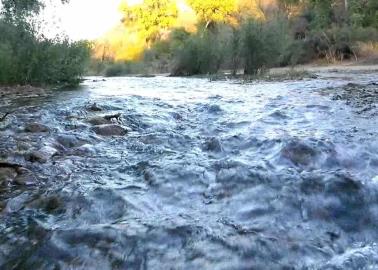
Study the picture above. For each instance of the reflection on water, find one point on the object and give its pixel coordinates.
(211, 175)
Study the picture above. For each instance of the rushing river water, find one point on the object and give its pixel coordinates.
(210, 175)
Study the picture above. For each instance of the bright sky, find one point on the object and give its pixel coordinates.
(82, 19)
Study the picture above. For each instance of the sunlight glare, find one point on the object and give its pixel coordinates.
(82, 19)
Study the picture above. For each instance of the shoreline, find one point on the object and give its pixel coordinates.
(328, 68)
(278, 73)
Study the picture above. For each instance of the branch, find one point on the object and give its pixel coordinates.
(4, 164)
(4, 116)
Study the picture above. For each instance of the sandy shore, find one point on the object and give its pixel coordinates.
(350, 67)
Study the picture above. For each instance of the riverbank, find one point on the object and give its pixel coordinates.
(343, 67)
(298, 72)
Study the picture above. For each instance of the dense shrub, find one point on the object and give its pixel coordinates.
(201, 53)
(26, 57)
(263, 45)
(293, 32)
(158, 57)
(340, 43)
(123, 68)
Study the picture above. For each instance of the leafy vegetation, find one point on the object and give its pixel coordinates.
(151, 17)
(214, 11)
(236, 35)
(27, 57)
(254, 35)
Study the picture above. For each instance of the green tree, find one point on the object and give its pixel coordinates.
(363, 13)
(151, 17)
(214, 11)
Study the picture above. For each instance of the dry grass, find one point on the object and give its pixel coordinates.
(367, 49)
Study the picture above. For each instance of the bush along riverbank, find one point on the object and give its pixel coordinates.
(27, 57)
(286, 34)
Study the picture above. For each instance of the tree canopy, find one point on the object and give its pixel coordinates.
(16, 10)
(213, 11)
(151, 17)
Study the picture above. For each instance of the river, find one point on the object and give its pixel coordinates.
(201, 175)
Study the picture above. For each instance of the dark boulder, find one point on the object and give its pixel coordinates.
(98, 120)
(110, 130)
(36, 128)
(69, 141)
(42, 155)
(94, 108)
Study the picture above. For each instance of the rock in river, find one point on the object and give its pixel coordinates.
(69, 141)
(213, 145)
(110, 130)
(42, 155)
(25, 177)
(94, 108)
(7, 174)
(299, 153)
(15, 174)
(36, 128)
(104, 120)
(98, 120)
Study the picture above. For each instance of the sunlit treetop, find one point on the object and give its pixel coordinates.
(150, 17)
(213, 11)
(119, 44)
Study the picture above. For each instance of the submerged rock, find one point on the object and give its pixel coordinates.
(36, 128)
(7, 175)
(49, 203)
(98, 120)
(214, 108)
(110, 130)
(42, 155)
(94, 108)
(15, 174)
(298, 152)
(17, 203)
(84, 150)
(25, 177)
(104, 119)
(212, 144)
(69, 141)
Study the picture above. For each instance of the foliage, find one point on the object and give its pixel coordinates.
(119, 44)
(151, 17)
(17, 10)
(214, 11)
(123, 68)
(28, 58)
(339, 43)
(363, 13)
(110, 68)
(247, 34)
(201, 53)
(263, 45)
